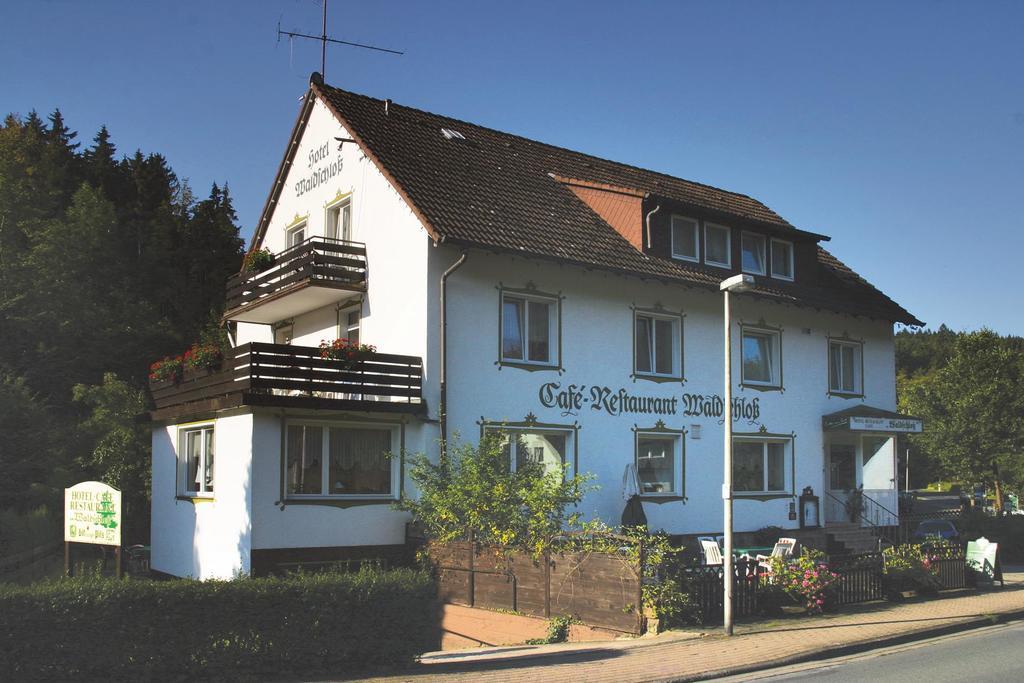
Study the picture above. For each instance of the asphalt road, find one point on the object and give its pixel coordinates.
(988, 654)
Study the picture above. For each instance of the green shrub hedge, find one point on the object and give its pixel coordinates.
(298, 625)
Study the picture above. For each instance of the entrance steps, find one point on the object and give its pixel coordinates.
(848, 537)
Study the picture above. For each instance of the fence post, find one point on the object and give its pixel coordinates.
(640, 590)
(547, 583)
(472, 574)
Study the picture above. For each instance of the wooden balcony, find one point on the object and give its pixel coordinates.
(294, 377)
(316, 273)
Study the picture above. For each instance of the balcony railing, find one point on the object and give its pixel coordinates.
(280, 375)
(318, 262)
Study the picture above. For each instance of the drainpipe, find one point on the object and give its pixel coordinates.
(442, 408)
(648, 222)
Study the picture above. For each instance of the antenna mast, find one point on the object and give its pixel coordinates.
(324, 39)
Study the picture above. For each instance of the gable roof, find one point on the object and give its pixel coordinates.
(488, 189)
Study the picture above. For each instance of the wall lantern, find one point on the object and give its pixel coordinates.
(810, 510)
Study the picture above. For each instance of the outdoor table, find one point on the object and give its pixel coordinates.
(751, 552)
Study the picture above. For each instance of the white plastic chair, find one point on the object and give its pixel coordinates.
(783, 548)
(712, 553)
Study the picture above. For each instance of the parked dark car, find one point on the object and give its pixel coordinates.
(936, 529)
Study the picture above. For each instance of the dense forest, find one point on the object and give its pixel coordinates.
(106, 263)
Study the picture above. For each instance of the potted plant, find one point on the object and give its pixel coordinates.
(806, 579)
(347, 351)
(200, 357)
(909, 570)
(257, 261)
(166, 369)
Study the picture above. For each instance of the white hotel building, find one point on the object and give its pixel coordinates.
(570, 300)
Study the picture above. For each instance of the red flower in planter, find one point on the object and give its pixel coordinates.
(345, 350)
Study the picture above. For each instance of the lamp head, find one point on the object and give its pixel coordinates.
(737, 284)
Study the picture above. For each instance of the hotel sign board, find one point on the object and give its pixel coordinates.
(857, 423)
(92, 514)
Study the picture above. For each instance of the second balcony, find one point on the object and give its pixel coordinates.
(315, 273)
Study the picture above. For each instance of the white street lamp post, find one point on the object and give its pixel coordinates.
(736, 283)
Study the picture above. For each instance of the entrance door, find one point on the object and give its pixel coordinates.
(842, 480)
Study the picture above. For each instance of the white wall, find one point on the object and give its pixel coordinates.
(208, 538)
(597, 346)
(394, 311)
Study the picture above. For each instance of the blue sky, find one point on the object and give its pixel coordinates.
(896, 128)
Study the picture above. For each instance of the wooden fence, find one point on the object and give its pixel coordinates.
(602, 589)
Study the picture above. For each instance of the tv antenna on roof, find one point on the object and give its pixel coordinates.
(324, 39)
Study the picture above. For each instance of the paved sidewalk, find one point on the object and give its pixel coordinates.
(757, 645)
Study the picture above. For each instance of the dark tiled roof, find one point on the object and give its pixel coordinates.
(495, 190)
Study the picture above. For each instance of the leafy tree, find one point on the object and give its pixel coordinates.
(973, 408)
(118, 445)
(476, 492)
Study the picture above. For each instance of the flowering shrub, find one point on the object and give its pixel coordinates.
(806, 579)
(345, 349)
(911, 567)
(167, 368)
(257, 261)
(202, 356)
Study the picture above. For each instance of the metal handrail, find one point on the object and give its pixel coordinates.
(879, 530)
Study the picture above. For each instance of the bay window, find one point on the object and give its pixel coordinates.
(331, 460)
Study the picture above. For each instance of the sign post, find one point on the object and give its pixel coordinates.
(92, 515)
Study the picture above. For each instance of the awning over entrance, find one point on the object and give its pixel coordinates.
(868, 419)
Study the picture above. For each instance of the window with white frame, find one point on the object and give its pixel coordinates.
(782, 259)
(544, 447)
(657, 344)
(339, 220)
(340, 460)
(759, 465)
(685, 238)
(752, 248)
(659, 465)
(717, 245)
(762, 358)
(529, 329)
(349, 321)
(296, 234)
(845, 367)
(195, 455)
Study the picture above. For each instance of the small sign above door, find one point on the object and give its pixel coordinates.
(866, 419)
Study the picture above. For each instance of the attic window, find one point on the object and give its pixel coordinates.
(450, 134)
